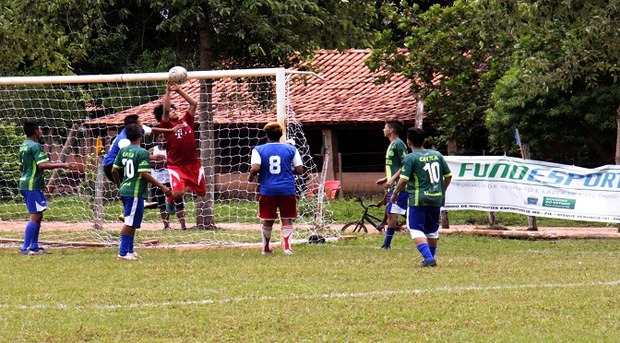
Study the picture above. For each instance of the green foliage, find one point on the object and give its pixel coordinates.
(558, 63)
(42, 37)
(562, 89)
(454, 55)
(11, 137)
(565, 44)
(571, 128)
(237, 34)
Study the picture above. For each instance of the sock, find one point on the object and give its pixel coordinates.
(34, 243)
(124, 247)
(131, 239)
(31, 229)
(389, 233)
(425, 251)
(433, 250)
(170, 205)
(287, 231)
(266, 238)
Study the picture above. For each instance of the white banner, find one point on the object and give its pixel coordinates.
(534, 188)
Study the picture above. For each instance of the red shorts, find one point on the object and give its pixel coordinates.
(189, 176)
(268, 205)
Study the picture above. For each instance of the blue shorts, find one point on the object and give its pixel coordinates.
(35, 201)
(134, 211)
(400, 207)
(423, 221)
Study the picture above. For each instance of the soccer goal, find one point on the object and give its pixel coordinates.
(81, 115)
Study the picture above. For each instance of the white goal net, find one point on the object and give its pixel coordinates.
(81, 115)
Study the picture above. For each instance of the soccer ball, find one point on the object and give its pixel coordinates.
(177, 74)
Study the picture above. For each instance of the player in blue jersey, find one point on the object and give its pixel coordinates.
(276, 164)
(136, 166)
(33, 160)
(394, 156)
(121, 141)
(426, 176)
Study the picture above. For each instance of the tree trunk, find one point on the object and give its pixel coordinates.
(204, 205)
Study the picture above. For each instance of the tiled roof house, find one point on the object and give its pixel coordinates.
(347, 94)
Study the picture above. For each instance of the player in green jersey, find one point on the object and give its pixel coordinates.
(394, 156)
(136, 166)
(426, 176)
(33, 160)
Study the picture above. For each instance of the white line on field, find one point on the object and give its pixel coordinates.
(310, 296)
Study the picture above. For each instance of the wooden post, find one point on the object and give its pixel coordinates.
(331, 150)
(98, 205)
(618, 141)
(492, 219)
(443, 218)
(419, 114)
(531, 220)
(618, 135)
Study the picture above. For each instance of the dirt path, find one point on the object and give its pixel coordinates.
(510, 232)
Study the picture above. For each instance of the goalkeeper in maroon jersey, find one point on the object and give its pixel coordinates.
(185, 169)
(276, 164)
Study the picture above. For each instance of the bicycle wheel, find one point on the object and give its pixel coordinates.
(355, 227)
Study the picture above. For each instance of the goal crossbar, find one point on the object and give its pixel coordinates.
(210, 74)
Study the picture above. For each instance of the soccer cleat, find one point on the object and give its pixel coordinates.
(170, 208)
(431, 263)
(27, 252)
(150, 205)
(135, 254)
(265, 252)
(128, 257)
(40, 251)
(288, 252)
(386, 247)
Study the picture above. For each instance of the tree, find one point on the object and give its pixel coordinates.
(43, 37)
(562, 88)
(569, 127)
(454, 55)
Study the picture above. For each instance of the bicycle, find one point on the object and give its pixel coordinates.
(374, 221)
(359, 226)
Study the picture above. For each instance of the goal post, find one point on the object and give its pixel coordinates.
(78, 112)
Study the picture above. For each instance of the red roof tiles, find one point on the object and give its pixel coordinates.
(348, 93)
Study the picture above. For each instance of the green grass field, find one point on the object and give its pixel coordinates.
(484, 290)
